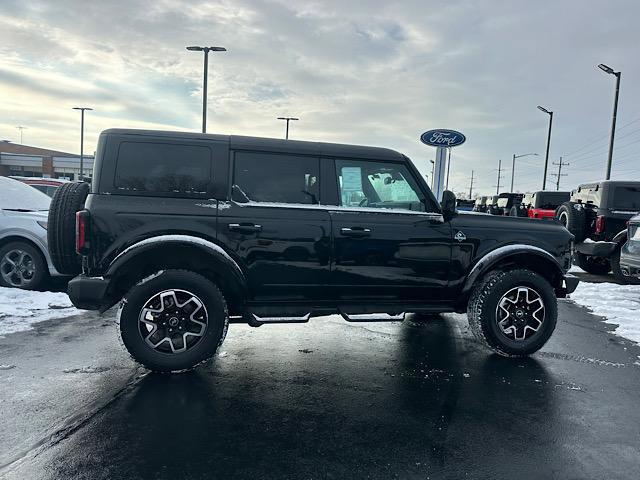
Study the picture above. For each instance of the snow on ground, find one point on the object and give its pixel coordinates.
(620, 304)
(19, 309)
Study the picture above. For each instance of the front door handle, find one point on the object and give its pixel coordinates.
(245, 227)
(355, 231)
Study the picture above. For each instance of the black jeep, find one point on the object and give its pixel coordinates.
(597, 215)
(191, 231)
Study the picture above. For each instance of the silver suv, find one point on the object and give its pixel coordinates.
(24, 258)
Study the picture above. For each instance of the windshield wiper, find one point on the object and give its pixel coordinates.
(19, 209)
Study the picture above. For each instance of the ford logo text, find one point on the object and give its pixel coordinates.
(442, 138)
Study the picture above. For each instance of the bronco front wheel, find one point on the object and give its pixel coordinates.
(514, 312)
(173, 320)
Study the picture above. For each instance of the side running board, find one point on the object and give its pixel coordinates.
(255, 321)
(372, 317)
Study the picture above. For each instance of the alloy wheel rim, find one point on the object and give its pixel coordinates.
(17, 268)
(173, 321)
(520, 313)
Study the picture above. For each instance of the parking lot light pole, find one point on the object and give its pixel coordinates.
(513, 166)
(611, 71)
(546, 160)
(287, 119)
(206, 51)
(82, 110)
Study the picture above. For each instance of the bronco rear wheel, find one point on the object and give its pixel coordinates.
(173, 320)
(514, 312)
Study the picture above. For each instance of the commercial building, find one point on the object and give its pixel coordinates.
(27, 161)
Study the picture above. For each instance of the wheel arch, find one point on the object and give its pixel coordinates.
(515, 256)
(177, 252)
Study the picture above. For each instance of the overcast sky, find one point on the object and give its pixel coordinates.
(366, 72)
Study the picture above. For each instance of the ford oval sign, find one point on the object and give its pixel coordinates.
(442, 138)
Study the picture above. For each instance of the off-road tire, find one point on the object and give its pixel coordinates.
(61, 230)
(591, 264)
(483, 303)
(617, 271)
(153, 359)
(517, 212)
(40, 270)
(574, 219)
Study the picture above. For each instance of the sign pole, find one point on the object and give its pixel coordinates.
(439, 173)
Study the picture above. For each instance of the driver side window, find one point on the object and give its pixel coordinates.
(377, 185)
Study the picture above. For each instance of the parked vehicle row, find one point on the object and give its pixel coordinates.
(47, 186)
(598, 215)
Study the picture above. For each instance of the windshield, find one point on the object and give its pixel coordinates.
(15, 195)
(627, 198)
(502, 202)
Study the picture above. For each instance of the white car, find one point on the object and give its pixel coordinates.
(24, 258)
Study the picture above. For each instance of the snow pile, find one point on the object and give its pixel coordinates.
(620, 304)
(19, 309)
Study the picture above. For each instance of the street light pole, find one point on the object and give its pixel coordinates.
(546, 160)
(82, 109)
(287, 119)
(206, 51)
(611, 71)
(21, 128)
(513, 166)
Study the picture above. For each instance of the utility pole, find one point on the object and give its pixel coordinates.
(21, 128)
(559, 174)
(82, 109)
(433, 168)
(471, 186)
(287, 119)
(499, 177)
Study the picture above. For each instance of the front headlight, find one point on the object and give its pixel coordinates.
(42, 223)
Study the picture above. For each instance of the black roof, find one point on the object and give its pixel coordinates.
(273, 144)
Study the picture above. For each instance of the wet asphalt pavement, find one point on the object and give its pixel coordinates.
(327, 399)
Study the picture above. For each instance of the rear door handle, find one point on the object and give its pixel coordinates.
(245, 227)
(355, 231)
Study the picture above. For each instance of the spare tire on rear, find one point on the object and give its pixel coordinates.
(573, 217)
(61, 229)
(518, 211)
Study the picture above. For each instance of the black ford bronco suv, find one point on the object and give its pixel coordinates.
(192, 231)
(597, 214)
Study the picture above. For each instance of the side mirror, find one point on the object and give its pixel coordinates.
(448, 204)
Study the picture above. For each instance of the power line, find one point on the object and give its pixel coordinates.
(599, 139)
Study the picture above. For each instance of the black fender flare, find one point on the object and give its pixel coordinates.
(490, 259)
(222, 258)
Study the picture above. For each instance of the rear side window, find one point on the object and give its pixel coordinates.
(626, 198)
(163, 168)
(274, 178)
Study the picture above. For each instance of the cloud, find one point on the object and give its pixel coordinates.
(369, 72)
